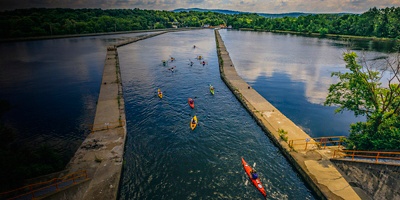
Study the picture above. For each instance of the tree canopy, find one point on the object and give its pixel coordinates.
(63, 21)
(361, 91)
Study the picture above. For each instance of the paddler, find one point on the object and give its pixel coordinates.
(254, 174)
(193, 121)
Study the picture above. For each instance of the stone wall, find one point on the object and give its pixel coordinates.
(377, 180)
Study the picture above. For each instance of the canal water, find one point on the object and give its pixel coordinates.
(164, 158)
(53, 86)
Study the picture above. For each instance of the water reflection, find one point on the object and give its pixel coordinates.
(294, 74)
(52, 86)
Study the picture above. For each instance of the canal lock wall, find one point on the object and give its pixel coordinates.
(101, 153)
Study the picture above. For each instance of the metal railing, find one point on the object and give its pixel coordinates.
(35, 190)
(320, 142)
(368, 156)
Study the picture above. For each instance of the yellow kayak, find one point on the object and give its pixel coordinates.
(193, 122)
(159, 93)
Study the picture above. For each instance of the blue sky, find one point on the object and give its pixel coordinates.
(264, 6)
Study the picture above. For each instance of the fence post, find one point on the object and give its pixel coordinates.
(377, 157)
(352, 157)
(307, 140)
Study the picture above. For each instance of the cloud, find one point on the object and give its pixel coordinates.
(265, 6)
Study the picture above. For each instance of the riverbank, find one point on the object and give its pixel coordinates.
(313, 165)
(336, 36)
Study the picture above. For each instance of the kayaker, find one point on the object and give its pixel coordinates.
(194, 46)
(254, 174)
(193, 121)
(204, 63)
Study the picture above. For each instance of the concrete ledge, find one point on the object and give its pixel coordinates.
(313, 165)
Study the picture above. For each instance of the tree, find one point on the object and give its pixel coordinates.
(360, 90)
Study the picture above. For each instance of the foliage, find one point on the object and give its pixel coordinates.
(283, 134)
(360, 90)
(63, 21)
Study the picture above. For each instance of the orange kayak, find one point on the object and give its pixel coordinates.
(256, 182)
(191, 102)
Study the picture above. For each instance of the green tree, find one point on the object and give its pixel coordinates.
(360, 90)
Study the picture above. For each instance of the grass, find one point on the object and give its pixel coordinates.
(283, 135)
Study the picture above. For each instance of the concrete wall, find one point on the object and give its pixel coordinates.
(378, 181)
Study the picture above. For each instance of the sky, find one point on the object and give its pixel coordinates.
(257, 6)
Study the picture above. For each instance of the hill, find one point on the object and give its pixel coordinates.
(233, 12)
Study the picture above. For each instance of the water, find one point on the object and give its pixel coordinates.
(294, 73)
(53, 86)
(164, 158)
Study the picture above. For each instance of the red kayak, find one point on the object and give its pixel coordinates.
(191, 102)
(256, 182)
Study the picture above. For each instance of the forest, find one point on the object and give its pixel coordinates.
(35, 22)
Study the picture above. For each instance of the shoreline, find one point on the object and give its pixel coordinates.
(313, 165)
(336, 36)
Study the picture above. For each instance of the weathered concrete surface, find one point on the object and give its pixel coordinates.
(101, 153)
(378, 180)
(313, 165)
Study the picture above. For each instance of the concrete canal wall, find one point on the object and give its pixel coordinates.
(101, 153)
(313, 165)
(379, 180)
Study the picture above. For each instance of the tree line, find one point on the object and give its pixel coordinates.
(63, 21)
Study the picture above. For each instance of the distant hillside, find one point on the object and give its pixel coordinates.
(233, 12)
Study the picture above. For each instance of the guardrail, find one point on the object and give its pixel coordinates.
(320, 142)
(368, 156)
(35, 190)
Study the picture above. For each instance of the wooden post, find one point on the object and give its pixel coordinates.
(377, 157)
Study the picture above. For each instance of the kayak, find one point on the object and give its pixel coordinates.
(159, 93)
(193, 125)
(191, 102)
(256, 182)
(212, 89)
